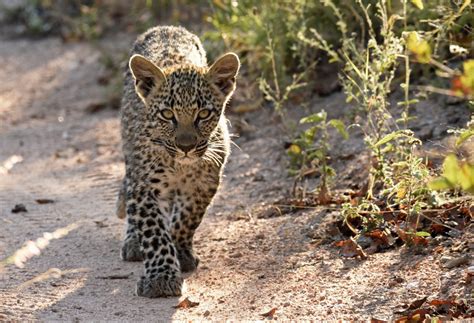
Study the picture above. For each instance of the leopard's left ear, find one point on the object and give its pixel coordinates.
(223, 73)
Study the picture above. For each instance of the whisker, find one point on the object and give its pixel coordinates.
(238, 147)
(216, 158)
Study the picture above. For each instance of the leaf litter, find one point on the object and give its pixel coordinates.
(269, 314)
(186, 303)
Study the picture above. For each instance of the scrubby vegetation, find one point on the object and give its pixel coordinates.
(389, 56)
(378, 48)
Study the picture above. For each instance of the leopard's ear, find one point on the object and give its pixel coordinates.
(223, 73)
(148, 76)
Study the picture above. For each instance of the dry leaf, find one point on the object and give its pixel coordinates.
(439, 302)
(417, 304)
(350, 248)
(412, 239)
(438, 228)
(270, 313)
(186, 303)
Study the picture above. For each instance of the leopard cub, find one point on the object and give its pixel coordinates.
(175, 143)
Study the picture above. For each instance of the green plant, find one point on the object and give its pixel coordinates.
(310, 151)
(92, 19)
(398, 178)
(456, 175)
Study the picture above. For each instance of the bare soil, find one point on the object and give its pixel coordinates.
(251, 261)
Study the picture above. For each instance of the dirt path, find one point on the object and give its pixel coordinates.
(249, 264)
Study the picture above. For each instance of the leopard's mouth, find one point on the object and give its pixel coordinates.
(187, 158)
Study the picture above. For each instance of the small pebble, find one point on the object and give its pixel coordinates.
(445, 259)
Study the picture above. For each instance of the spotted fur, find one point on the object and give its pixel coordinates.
(174, 151)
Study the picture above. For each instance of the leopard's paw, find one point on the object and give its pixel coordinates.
(188, 260)
(131, 250)
(163, 285)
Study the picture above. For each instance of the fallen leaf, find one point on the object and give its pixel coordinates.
(44, 201)
(382, 239)
(406, 309)
(350, 248)
(186, 303)
(417, 304)
(101, 224)
(270, 313)
(412, 239)
(19, 208)
(438, 228)
(438, 302)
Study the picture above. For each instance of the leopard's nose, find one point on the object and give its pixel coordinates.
(186, 142)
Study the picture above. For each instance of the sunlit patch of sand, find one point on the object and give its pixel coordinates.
(52, 286)
(33, 248)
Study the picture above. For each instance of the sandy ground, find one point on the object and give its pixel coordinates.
(249, 264)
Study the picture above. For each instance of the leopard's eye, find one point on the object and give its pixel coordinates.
(203, 114)
(167, 114)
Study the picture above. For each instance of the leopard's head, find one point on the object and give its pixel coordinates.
(184, 105)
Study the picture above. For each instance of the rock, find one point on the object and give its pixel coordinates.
(445, 259)
(456, 262)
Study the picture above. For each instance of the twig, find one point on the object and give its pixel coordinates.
(448, 92)
(118, 276)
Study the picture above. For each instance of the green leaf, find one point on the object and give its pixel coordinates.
(389, 137)
(439, 184)
(466, 178)
(294, 149)
(423, 234)
(451, 169)
(319, 154)
(418, 3)
(310, 133)
(339, 125)
(465, 135)
(414, 101)
(419, 46)
(330, 171)
(315, 118)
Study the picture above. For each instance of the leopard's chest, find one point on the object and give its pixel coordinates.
(183, 180)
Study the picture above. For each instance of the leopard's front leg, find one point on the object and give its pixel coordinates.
(162, 276)
(184, 227)
(193, 206)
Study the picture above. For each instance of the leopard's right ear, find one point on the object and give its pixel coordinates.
(148, 76)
